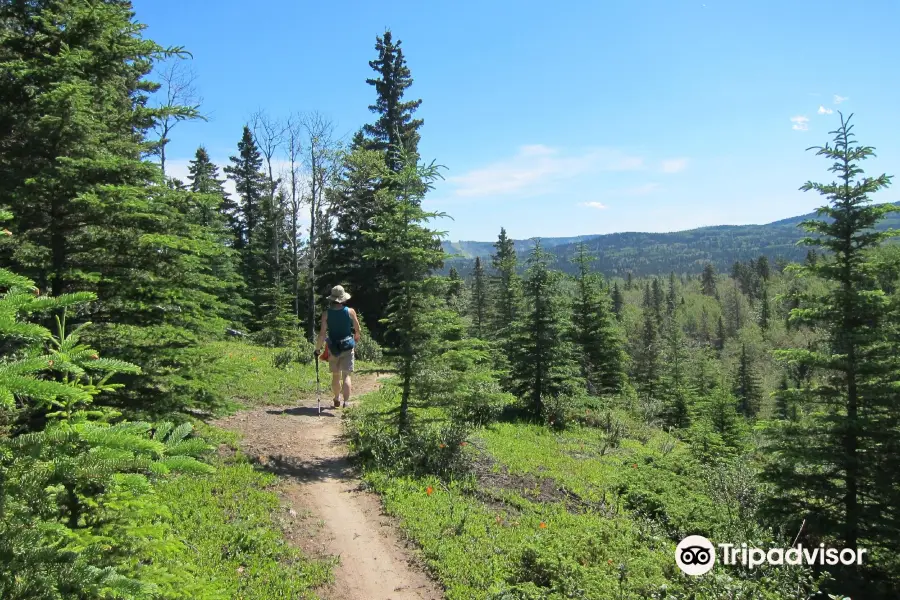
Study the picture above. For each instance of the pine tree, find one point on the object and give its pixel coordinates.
(629, 282)
(204, 179)
(456, 292)
(395, 127)
(479, 308)
(401, 240)
(678, 395)
(542, 357)
(747, 388)
(763, 270)
(599, 342)
(830, 467)
(785, 408)
(708, 280)
(721, 335)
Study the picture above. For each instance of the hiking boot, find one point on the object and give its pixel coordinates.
(344, 405)
(337, 403)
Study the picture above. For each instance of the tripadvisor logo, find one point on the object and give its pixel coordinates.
(696, 555)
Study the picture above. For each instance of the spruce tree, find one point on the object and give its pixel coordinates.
(542, 356)
(629, 282)
(831, 466)
(251, 240)
(203, 175)
(596, 334)
(708, 280)
(618, 301)
(765, 309)
(678, 394)
(456, 292)
(92, 214)
(395, 127)
(506, 287)
(479, 308)
(747, 388)
(648, 356)
(402, 241)
(671, 296)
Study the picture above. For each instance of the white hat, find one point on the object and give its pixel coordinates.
(338, 294)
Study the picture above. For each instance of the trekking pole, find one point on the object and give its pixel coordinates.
(318, 394)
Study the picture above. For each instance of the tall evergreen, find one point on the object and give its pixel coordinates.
(395, 127)
(91, 213)
(203, 176)
(678, 394)
(671, 296)
(250, 184)
(830, 468)
(600, 345)
(765, 309)
(506, 287)
(708, 280)
(403, 242)
(479, 308)
(648, 355)
(618, 301)
(747, 388)
(542, 356)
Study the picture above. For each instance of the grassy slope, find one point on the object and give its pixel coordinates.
(227, 520)
(518, 532)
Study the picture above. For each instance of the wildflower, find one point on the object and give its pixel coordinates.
(252, 358)
(543, 525)
(95, 357)
(464, 444)
(634, 466)
(499, 519)
(442, 445)
(429, 490)
(50, 363)
(609, 562)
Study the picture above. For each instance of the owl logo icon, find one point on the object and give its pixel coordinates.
(695, 555)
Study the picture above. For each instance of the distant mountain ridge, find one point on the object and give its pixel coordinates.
(653, 253)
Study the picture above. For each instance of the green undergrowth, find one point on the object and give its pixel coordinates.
(234, 548)
(588, 512)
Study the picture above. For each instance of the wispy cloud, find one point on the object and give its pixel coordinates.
(839, 99)
(800, 123)
(824, 111)
(674, 165)
(598, 205)
(536, 166)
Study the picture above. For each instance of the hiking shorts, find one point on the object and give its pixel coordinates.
(343, 362)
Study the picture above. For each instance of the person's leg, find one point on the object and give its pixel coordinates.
(346, 370)
(335, 365)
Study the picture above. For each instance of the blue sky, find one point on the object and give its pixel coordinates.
(571, 118)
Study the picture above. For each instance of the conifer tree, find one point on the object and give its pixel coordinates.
(747, 388)
(678, 394)
(765, 309)
(204, 179)
(599, 342)
(456, 292)
(542, 357)
(479, 308)
(506, 287)
(629, 282)
(647, 358)
(830, 467)
(395, 127)
(671, 296)
(785, 409)
(708, 280)
(618, 301)
(720, 334)
(402, 241)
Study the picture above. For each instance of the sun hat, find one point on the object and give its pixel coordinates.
(338, 294)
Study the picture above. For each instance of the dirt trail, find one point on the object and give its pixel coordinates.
(330, 514)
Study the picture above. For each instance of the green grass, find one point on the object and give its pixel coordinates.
(234, 546)
(513, 531)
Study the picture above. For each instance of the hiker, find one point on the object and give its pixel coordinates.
(340, 330)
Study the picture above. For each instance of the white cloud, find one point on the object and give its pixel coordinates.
(535, 166)
(800, 123)
(839, 99)
(824, 111)
(599, 205)
(674, 165)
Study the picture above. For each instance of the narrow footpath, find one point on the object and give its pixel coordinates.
(329, 513)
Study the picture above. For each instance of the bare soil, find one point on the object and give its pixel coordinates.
(328, 513)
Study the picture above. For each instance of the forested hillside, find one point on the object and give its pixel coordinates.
(682, 251)
(556, 418)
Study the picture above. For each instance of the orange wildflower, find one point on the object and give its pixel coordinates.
(609, 561)
(543, 525)
(442, 445)
(429, 490)
(464, 444)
